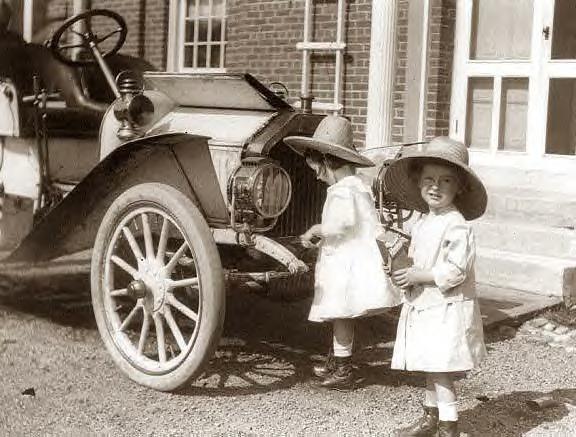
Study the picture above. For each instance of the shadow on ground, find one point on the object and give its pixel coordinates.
(512, 415)
(266, 345)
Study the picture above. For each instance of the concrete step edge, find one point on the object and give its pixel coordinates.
(543, 260)
(492, 221)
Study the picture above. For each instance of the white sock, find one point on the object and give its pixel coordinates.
(447, 411)
(430, 398)
(343, 342)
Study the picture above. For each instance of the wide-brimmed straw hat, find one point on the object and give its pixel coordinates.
(404, 186)
(333, 136)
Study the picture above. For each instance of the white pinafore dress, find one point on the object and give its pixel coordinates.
(349, 279)
(440, 327)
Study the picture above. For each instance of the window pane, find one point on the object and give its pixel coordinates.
(215, 56)
(561, 130)
(501, 29)
(513, 114)
(188, 56)
(189, 36)
(204, 8)
(216, 30)
(201, 57)
(191, 9)
(564, 34)
(202, 30)
(479, 113)
(218, 8)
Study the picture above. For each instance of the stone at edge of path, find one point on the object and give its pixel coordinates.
(500, 304)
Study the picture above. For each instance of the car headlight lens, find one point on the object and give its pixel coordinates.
(261, 187)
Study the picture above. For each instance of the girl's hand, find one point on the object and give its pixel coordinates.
(312, 237)
(405, 278)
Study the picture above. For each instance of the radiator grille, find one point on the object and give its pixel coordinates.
(308, 194)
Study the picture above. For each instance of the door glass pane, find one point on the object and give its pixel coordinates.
(513, 114)
(564, 34)
(201, 60)
(216, 30)
(501, 29)
(204, 8)
(479, 112)
(218, 8)
(561, 129)
(188, 56)
(191, 9)
(202, 30)
(189, 32)
(215, 56)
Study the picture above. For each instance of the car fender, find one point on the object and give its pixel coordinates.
(180, 160)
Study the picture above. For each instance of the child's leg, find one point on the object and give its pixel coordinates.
(430, 398)
(343, 333)
(446, 396)
(342, 376)
(427, 424)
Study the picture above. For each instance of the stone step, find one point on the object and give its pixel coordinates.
(518, 236)
(532, 206)
(521, 177)
(531, 273)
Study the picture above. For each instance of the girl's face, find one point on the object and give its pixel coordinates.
(438, 185)
(323, 172)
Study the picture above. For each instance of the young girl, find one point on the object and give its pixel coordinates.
(350, 281)
(440, 327)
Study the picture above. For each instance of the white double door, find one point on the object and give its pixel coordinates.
(514, 82)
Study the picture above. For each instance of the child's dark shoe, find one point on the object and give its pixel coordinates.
(426, 426)
(341, 377)
(327, 367)
(448, 429)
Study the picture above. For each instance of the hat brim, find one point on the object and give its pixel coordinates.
(301, 144)
(472, 203)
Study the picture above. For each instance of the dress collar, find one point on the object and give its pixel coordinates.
(442, 211)
(346, 182)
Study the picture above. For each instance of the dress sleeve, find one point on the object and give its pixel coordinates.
(341, 213)
(455, 257)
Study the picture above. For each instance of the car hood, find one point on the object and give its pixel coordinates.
(216, 90)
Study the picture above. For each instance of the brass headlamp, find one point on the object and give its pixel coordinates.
(133, 109)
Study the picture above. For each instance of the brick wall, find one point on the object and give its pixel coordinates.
(440, 63)
(262, 37)
(398, 122)
(147, 22)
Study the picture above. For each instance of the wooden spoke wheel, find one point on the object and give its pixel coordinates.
(157, 286)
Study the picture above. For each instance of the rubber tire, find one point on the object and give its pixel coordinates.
(211, 319)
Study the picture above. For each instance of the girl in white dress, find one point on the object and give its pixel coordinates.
(440, 327)
(350, 280)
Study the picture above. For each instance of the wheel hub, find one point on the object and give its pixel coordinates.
(156, 281)
(137, 289)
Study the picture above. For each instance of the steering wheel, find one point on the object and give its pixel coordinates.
(89, 39)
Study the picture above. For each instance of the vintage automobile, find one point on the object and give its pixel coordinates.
(180, 184)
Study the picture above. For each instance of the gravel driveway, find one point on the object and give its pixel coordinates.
(259, 383)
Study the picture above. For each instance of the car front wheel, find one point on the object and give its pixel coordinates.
(157, 286)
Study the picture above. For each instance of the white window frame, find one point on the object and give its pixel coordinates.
(28, 20)
(176, 35)
(539, 69)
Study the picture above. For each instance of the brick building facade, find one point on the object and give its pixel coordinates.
(261, 38)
